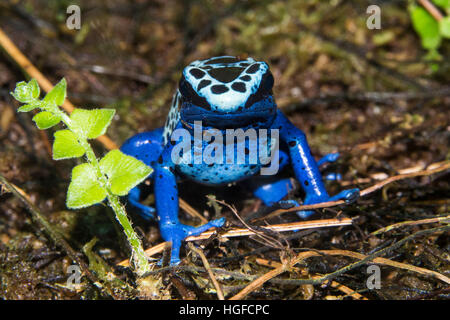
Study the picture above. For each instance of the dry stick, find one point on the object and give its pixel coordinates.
(54, 235)
(239, 232)
(186, 207)
(431, 9)
(254, 285)
(45, 84)
(266, 239)
(334, 284)
(379, 185)
(445, 219)
(435, 167)
(208, 268)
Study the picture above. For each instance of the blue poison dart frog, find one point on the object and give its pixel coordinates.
(224, 93)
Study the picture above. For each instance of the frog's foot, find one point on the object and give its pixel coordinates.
(349, 195)
(146, 212)
(287, 204)
(177, 232)
(329, 158)
(333, 176)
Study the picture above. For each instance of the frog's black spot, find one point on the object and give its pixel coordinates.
(190, 165)
(222, 60)
(197, 73)
(226, 168)
(172, 198)
(203, 84)
(244, 64)
(219, 89)
(253, 166)
(189, 94)
(152, 164)
(172, 142)
(160, 176)
(210, 165)
(246, 78)
(303, 168)
(292, 143)
(246, 150)
(160, 160)
(306, 183)
(239, 86)
(280, 127)
(225, 75)
(253, 69)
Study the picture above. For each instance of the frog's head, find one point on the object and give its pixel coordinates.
(227, 92)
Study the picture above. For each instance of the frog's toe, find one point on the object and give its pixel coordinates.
(287, 204)
(328, 158)
(349, 196)
(195, 231)
(333, 176)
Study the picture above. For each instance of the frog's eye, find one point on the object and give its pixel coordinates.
(264, 89)
(266, 82)
(191, 95)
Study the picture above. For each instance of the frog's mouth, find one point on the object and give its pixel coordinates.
(260, 115)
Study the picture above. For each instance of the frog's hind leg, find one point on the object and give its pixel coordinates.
(270, 189)
(147, 147)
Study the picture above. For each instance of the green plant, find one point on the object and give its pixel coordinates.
(96, 180)
(431, 29)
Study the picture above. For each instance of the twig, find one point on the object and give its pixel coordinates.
(431, 9)
(434, 169)
(445, 219)
(239, 232)
(186, 207)
(254, 285)
(269, 240)
(334, 284)
(208, 268)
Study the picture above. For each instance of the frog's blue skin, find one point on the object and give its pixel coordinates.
(225, 92)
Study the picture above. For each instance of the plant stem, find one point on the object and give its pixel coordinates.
(138, 255)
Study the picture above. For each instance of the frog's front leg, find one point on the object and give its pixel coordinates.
(166, 198)
(305, 167)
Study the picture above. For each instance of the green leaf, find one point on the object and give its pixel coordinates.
(57, 95)
(84, 189)
(444, 4)
(426, 27)
(66, 145)
(92, 123)
(26, 92)
(27, 107)
(45, 120)
(34, 88)
(444, 27)
(124, 172)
